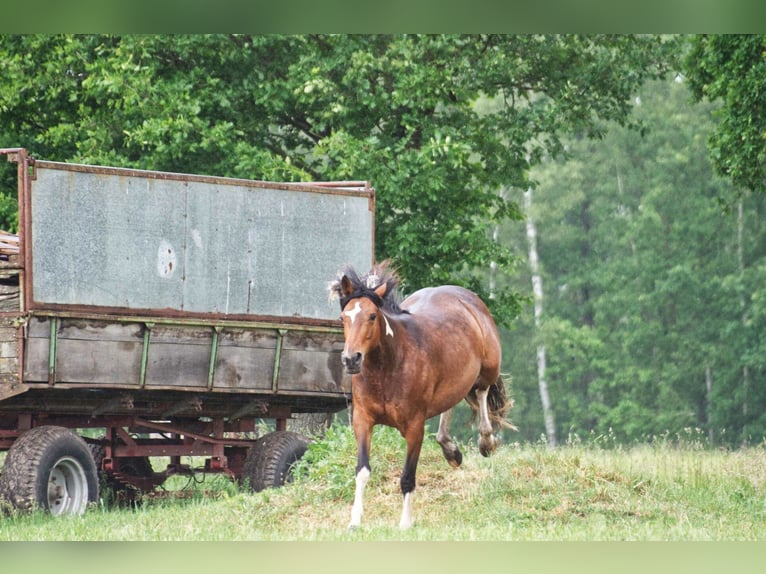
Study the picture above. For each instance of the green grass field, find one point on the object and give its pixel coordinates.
(662, 491)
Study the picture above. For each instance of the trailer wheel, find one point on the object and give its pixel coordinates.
(51, 468)
(270, 460)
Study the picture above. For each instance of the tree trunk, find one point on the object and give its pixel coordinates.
(537, 290)
(742, 303)
(493, 264)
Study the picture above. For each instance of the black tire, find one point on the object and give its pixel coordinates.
(270, 460)
(50, 468)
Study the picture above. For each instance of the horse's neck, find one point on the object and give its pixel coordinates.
(394, 339)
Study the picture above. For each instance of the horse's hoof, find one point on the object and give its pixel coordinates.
(454, 458)
(353, 527)
(487, 447)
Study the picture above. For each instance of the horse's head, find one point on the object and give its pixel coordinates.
(362, 319)
(363, 302)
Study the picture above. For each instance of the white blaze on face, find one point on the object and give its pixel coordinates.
(354, 312)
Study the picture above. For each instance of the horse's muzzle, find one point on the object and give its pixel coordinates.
(352, 363)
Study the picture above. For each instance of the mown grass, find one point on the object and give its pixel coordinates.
(658, 491)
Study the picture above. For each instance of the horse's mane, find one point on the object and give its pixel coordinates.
(365, 285)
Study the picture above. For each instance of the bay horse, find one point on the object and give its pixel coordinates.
(415, 360)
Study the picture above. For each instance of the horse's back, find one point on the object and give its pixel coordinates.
(451, 305)
(458, 330)
(443, 300)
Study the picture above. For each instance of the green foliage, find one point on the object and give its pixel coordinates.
(330, 460)
(8, 194)
(651, 292)
(732, 69)
(401, 111)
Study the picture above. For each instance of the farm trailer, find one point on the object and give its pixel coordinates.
(171, 313)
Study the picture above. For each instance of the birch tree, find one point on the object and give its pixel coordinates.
(537, 291)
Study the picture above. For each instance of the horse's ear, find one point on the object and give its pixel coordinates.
(381, 291)
(346, 287)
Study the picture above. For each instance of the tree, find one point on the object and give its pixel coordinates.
(400, 111)
(537, 293)
(732, 69)
(654, 297)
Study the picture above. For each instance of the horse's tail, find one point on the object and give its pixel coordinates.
(498, 405)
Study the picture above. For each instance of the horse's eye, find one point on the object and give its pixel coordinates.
(373, 316)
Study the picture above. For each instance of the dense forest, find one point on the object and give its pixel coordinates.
(602, 193)
(653, 273)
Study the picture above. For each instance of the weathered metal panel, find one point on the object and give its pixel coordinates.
(125, 239)
(106, 241)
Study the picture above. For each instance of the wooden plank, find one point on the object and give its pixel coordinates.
(245, 359)
(38, 327)
(98, 362)
(102, 353)
(179, 356)
(311, 362)
(9, 291)
(9, 243)
(36, 350)
(36, 360)
(87, 352)
(9, 349)
(9, 366)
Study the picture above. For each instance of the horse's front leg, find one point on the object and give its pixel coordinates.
(363, 434)
(414, 438)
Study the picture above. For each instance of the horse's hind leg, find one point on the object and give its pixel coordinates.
(487, 441)
(451, 451)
